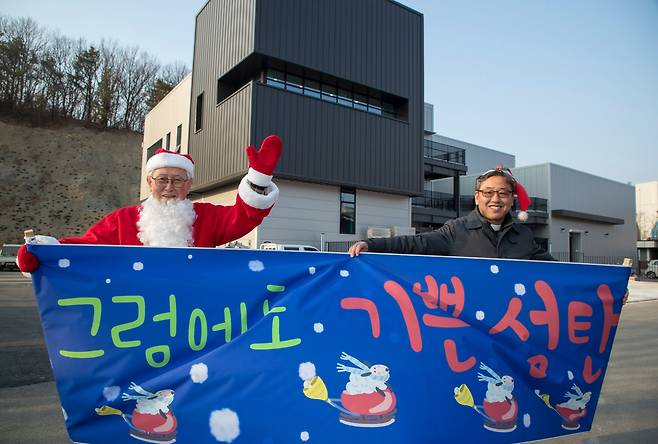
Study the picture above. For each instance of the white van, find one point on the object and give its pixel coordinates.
(286, 247)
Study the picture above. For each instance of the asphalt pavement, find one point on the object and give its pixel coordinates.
(30, 411)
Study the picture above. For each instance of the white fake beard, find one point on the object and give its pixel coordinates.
(166, 223)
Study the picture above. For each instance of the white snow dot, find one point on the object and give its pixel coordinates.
(519, 289)
(526, 420)
(199, 373)
(344, 273)
(306, 371)
(304, 436)
(108, 280)
(570, 375)
(189, 256)
(138, 266)
(66, 417)
(256, 266)
(479, 315)
(494, 269)
(311, 270)
(64, 263)
(537, 392)
(224, 425)
(318, 327)
(111, 393)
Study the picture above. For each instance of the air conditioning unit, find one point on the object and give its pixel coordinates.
(378, 232)
(403, 231)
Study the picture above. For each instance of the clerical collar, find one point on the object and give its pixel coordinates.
(496, 227)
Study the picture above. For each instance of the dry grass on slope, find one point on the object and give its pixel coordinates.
(61, 179)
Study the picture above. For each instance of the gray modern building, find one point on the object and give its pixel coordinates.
(342, 83)
(577, 216)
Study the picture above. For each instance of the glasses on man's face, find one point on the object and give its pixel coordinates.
(162, 181)
(503, 194)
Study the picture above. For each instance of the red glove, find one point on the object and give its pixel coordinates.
(263, 161)
(27, 262)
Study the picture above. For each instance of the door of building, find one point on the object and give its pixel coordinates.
(575, 247)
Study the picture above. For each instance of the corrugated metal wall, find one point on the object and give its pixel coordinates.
(374, 43)
(224, 36)
(332, 144)
(377, 43)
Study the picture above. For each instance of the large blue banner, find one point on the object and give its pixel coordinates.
(206, 345)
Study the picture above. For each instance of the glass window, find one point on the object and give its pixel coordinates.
(388, 109)
(150, 151)
(179, 135)
(360, 102)
(347, 211)
(294, 84)
(312, 88)
(275, 78)
(329, 93)
(345, 97)
(168, 139)
(374, 106)
(198, 123)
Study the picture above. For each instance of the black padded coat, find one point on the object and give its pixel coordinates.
(470, 236)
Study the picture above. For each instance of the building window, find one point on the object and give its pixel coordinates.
(330, 93)
(347, 211)
(198, 122)
(168, 141)
(150, 151)
(179, 136)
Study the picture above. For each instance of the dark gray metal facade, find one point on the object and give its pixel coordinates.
(374, 47)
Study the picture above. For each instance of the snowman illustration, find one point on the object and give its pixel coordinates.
(367, 401)
(499, 407)
(573, 409)
(152, 420)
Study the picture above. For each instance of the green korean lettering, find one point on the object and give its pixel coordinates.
(276, 342)
(226, 325)
(118, 329)
(169, 316)
(197, 313)
(152, 351)
(95, 325)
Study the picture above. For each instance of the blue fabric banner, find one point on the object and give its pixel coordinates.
(208, 345)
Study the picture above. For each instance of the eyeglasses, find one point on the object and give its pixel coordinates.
(163, 181)
(503, 194)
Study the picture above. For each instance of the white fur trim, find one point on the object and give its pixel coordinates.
(522, 216)
(258, 178)
(256, 200)
(170, 160)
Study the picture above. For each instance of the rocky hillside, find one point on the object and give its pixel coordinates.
(62, 178)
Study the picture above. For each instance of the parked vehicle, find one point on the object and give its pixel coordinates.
(652, 269)
(8, 257)
(286, 247)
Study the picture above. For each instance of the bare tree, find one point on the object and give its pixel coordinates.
(21, 44)
(138, 73)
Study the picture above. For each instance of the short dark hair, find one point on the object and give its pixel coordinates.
(491, 173)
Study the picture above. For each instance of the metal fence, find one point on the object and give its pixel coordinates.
(441, 151)
(338, 246)
(564, 256)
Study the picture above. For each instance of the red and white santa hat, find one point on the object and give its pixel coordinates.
(520, 191)
(169, 159)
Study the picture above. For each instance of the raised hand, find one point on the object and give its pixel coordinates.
(264, 161)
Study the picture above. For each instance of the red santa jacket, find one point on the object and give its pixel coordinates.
(214, 225)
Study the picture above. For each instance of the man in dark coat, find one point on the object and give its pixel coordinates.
(488, 231)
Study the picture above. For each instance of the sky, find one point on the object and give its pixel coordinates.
(573, 82)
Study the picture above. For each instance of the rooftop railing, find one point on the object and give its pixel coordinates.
(441, 151)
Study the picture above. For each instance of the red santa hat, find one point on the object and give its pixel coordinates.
(519, 190)
(169, 159)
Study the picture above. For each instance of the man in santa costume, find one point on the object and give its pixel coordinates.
(168, 218)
